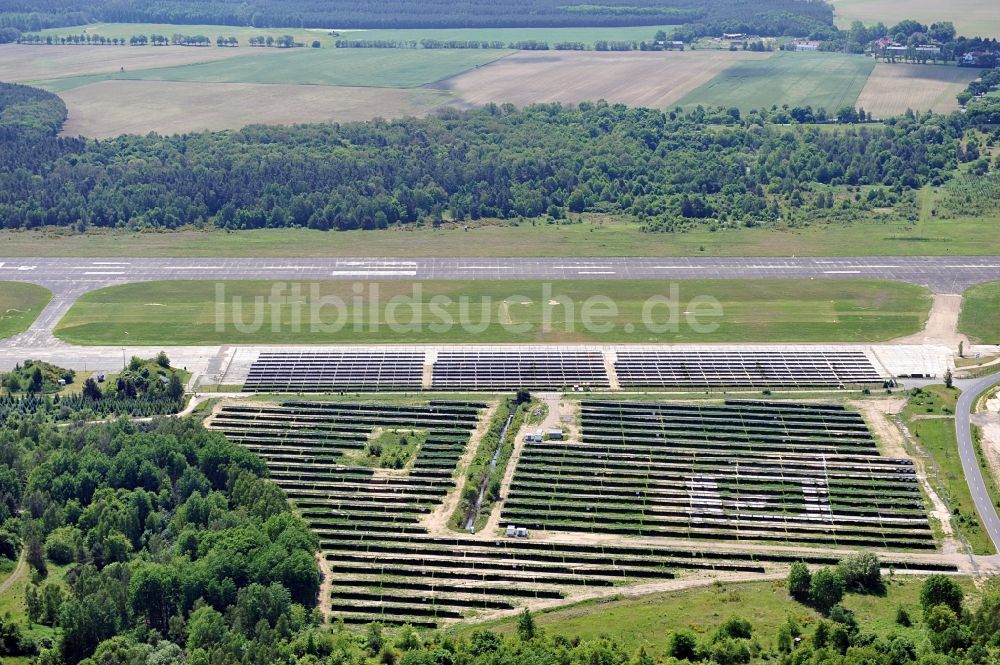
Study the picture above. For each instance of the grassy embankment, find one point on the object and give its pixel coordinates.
(648, 621)
(929, 415)
(980, 317)
(20, 305)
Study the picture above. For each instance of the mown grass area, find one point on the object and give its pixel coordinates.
(20, 305)
(377, 68)
(571, 311)
(820, 80)
(648, 621)
(597, 235)
(929, 415)
(980, 317)
(13, 602)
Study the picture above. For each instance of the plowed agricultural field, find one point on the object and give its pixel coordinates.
(110, 108)
(655, 80)
(32, 63)
(893, 88)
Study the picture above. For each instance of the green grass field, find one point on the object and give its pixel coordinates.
(929, 416)
(596, 236)
(820, 80)
(648, 621)
(186, 312)
(20, 305)
(378, 68)
(980, 317)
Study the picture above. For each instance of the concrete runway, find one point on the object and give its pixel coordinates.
(69, 278)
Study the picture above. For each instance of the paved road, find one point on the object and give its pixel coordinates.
(966, 451)
(74, 276)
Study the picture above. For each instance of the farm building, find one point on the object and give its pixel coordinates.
(806, 45)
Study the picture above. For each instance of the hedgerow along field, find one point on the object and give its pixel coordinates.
(980, 317)
(20, 305)
(819, 80)
(307, 36)
(184, 312)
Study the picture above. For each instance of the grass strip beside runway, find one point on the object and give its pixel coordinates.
(20, 305)
(443, 312)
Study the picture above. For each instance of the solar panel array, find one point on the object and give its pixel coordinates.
(335, 370)
(540, 369)
(745, 368)
(509, 370)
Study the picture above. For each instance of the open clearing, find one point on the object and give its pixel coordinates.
(20, 305)
(597, 235)
(819, 80)
(971, 17)
(893, 88)
(640, 622)
(110, 108)
(641, 79)
(378, 68)
(19, 63)
(980, 318)
(194, 312)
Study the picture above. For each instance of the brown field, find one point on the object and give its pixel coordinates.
(655, 80)
(110, 108)
(32, 63)
(971, 17)
(893, 88)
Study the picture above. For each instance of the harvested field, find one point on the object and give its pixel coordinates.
(971, 17)
(893, 88)
(110, 108)
(31, 63)
(641, 79)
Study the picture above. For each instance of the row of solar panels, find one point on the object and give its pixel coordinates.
(553, 370)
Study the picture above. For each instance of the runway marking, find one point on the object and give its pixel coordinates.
(497, 267)
(373, 273)
(112, 263)
(841, 272)
(579, 267)
(104, 272)
(194, 267)
(595, 272)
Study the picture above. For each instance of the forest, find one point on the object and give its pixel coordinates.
(667, 169)
(32, 15)
(169, 537)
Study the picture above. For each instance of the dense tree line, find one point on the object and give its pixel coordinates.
(668, 168)
(760, 16)
(179, 549)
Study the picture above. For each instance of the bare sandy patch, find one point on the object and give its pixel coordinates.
(655, 80)
(110, 108)
(893, 88)
(19, 62)
(941, 326)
